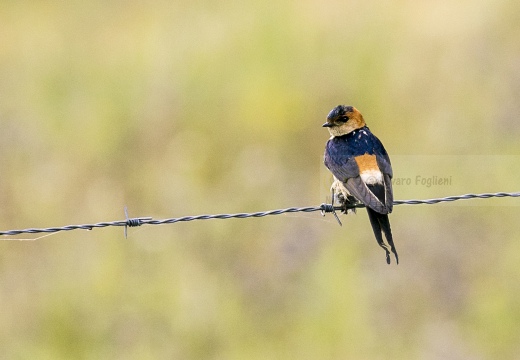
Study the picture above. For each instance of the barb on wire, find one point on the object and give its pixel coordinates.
(323, 208)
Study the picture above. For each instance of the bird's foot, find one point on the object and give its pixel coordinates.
(348, 204)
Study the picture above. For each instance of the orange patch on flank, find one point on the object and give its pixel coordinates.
(366, 163)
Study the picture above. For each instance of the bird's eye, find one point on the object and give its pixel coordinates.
(343, 119)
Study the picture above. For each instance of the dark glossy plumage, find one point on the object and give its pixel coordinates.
(340, 154)
(340, 158)
(338, 111)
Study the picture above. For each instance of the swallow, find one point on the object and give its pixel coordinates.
(361, 169)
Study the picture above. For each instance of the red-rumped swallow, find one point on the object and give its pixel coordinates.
(362, 170)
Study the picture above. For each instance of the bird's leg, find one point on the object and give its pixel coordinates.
(338, 197)
(349, 204)
(341, 196)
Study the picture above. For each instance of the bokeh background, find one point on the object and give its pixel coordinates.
(192, 107)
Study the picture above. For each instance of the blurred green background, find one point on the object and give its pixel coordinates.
(192, 107)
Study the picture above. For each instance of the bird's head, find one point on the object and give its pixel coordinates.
(344, 119)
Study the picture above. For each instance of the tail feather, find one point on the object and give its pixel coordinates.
(381, 224)
(385, 226)
(376, 226)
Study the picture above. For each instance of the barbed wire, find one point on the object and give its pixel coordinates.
(323, 208)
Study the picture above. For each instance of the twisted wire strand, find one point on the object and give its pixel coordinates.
(324, 208)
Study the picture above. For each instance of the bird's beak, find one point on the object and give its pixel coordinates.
(327, 125)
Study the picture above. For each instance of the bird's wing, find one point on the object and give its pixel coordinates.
(373, 196)
(342, 167)
(389, 193)
(345, 168)
(377, 196)
(383, 162)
